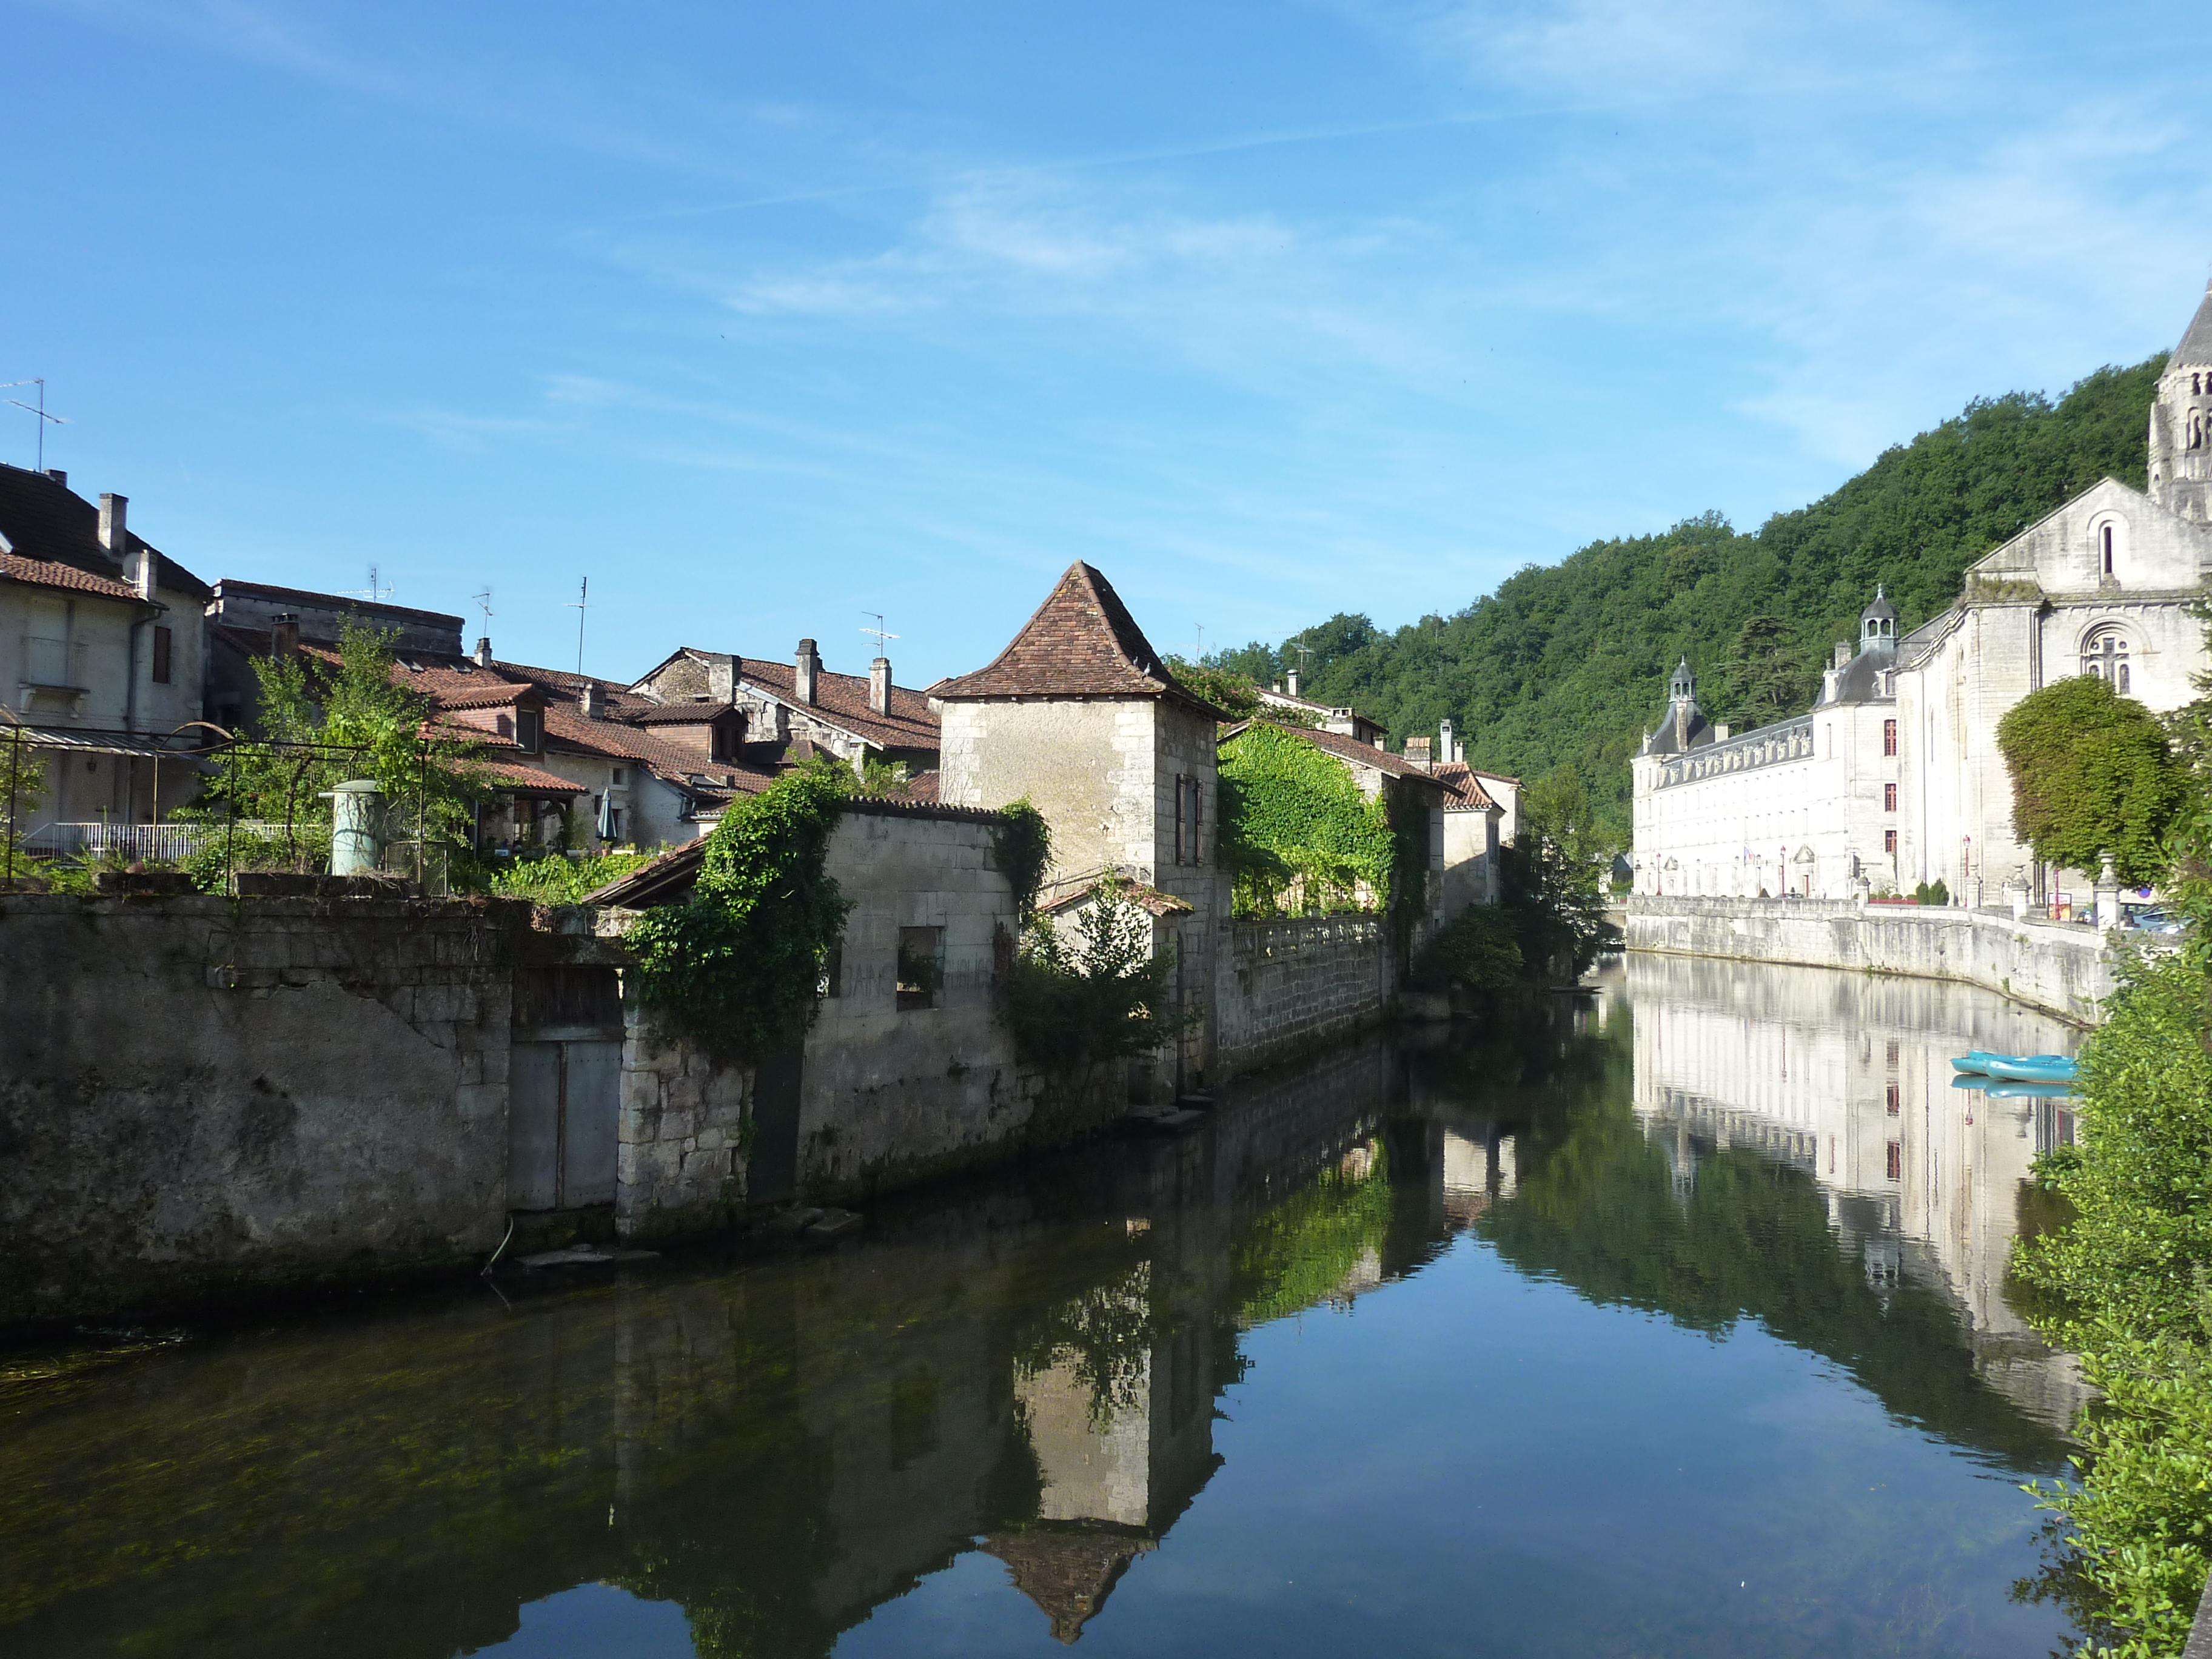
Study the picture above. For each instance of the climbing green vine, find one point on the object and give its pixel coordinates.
(1297, 834)
(737, 968)
(1020, 848)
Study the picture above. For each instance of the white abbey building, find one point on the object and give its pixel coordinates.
(1894, 778)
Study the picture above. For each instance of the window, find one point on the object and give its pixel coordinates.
(618, 774)
(162, 640)
(920, 967)
(1892, 1103)
(1190, 811)
(527, 729)
(2104, 539)
(1894, 1161)
(1889, 736)
(2105, 653)
(1889, 797)
(1889, 843)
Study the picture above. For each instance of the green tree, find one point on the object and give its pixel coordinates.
(22, 787)
(2092, 777)
(1090, 992)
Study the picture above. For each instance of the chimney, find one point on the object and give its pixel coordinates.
(1417, 750)
(1447, 742)
(809, 665)
(59, 476)
(589, 700)
(1290, 680)
(144, 565)
(879, 686)
(283, 636)
(113, 534)
(483, 651)
(1842, 653)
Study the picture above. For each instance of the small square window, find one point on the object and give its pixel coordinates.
(920, 967)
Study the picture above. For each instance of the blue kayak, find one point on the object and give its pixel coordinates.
(1975, 1062)
(2033, 1068)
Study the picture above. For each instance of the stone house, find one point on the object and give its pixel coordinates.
(1079, 716)
(1412, 794)
(1473, 830)
(101, 649)
(853, 720)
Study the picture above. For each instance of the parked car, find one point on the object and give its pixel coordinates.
(2151, 919)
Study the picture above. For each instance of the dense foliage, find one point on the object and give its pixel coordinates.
(1090, 990)
(1478, 949)
(22, 787)
(2092, 777)
(1020, 849)
(1297, 835)
(562, 878)
(1303, 1251)
(737, 968)
(1566, 665)
(316, 726)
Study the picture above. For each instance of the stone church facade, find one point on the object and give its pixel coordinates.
(1894, 778)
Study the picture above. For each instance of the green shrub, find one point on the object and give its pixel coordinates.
(2125, 1284)
(555, 878)
(1476, 949)
(1092, 990)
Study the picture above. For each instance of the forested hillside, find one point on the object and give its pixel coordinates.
(1568, 664)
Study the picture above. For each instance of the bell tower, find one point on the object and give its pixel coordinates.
(2181, 424)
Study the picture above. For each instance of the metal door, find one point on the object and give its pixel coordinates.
(563, 1099)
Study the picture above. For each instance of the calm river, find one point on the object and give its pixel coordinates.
(1672, 1325)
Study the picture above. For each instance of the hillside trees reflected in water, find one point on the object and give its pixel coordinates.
(1032, 1367)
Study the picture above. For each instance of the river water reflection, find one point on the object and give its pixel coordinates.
(1672, 1323)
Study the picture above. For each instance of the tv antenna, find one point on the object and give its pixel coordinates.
(881, 636)
(1201, 657)
(482, 602)
(579, 605)
(38, 409)
(376, 592)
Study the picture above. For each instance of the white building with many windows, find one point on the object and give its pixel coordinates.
(1893, 779)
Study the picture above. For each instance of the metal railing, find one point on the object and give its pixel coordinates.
(155, 844)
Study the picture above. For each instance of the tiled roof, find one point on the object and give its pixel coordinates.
(842, 700)
(1463, 789)
(676, 714)
(1346, 748)
(1082, 642)
(528, 780)
(921, 787)
(669, 877)
(1149, 899)
(487, 693)
(43, 573)
(46, 521)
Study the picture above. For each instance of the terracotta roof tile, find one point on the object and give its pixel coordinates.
(528, 780)
(842, 700)
(1082, 642)
(1463, 790)
(47, 522)
(45, 573)
(1346, 748)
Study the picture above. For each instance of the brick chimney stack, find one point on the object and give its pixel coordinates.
(112, 535)
(809, 666)
(879, 686)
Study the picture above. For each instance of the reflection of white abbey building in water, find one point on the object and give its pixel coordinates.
(1849, 1079)
(1894, 778)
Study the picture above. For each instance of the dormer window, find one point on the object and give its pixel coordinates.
(528, 733)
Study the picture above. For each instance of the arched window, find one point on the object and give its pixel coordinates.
(2105, 653)
(2105, 535)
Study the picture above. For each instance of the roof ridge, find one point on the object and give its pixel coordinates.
(1080, 641)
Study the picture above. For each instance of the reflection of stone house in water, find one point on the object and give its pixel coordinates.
(1849, 1079)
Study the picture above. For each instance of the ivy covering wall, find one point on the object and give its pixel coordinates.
(1297, 837)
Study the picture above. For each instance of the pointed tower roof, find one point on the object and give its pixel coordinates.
(2195, 346)
(1082, 642)
(1882, 607)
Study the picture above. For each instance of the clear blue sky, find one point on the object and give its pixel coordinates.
(763, 316)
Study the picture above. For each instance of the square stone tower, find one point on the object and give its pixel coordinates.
(2181, 424)
(1079, 715)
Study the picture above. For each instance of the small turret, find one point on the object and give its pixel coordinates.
(1878, 624)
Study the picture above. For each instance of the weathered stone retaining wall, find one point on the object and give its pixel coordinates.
(2054, 967)
(198, 1094)
(1285, 984)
